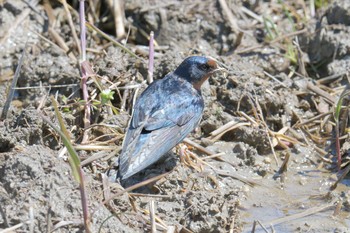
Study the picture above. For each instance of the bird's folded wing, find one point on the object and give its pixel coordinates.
(179, 113)
(151, 146)
(169, 116)
(158, 132)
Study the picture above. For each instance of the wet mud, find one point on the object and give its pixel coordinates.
(262, 159)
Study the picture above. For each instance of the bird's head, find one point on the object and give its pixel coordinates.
(197, 69)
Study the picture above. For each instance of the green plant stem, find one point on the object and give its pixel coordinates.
(74, 162)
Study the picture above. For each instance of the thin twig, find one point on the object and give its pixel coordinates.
(292, 34)
(254, 226)
(250, 119)
(118, 18)
(297, 125)
(272, 77)
(49, 87)
(230, 16)
(330, 99)
(283, 168)
(252, 14)
(301, 62)
(11, 229)
(31, 219)
(301, 214)
(237, 177)
(65, 223)
(267, 130)
(14, 25)
(128, 87)
(331, 78)
(151, 58)
(94, 147)
(71, 25)
(198, 147)
(93, 158)
(152, 219)
(232, 225)
(82, 29)
(4, 216)
(342, 176)
(104, 35)
(213, 156)
(312, 9)
(135, 186)
(33, 6)
(159, 222)
(61, 43)
(124, 99)
(150, 195)
(262, 226)
(222, 129)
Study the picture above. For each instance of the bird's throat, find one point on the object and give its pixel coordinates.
(198, 85)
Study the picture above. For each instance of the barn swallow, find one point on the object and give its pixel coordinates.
(164, 114)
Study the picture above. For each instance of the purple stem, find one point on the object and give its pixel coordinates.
(84, 202)
(84, 77)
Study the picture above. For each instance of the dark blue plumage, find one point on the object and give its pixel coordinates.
(164, 114)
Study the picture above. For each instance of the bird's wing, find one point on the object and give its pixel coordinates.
(156, 127)
(178, 111)
(157, 108)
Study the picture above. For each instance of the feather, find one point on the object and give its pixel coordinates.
(159, 123)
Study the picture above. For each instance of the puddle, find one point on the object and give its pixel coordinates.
(300, 204)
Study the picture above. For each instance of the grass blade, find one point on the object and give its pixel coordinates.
(13, 86)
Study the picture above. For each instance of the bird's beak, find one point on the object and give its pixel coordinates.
(215, 63)
(218, 69)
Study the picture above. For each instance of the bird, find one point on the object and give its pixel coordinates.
(164, 114)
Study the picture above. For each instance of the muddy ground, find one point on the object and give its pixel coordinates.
(273, 161)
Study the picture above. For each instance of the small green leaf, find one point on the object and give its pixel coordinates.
(106, 95)
(73, 159)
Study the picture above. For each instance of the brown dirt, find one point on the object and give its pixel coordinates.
(37, 190)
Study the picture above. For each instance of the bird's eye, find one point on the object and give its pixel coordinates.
(204, 67)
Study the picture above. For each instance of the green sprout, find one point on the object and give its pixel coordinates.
(106, 96)
(270, 28)
(321, 3)
(291, 54)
